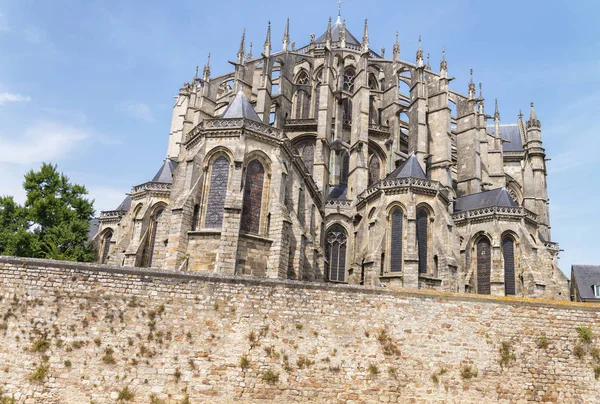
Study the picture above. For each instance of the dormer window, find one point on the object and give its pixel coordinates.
(597, 291)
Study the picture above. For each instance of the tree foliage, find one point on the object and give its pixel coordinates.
(54, 221)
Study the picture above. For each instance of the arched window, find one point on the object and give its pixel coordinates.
(302, 78)
(302, 104)
(373, 85)
(484, 266)
(349, 76)
(253, 192)
(345, 168)
(215, 204)
(195, 217)
(154, 230)
(106, 246)
(374, 169)
(335, 251)
(422, 238)
(396, 240)
(508, 252)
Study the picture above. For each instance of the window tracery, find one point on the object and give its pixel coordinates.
(335, 251)
(217, 193)
(253, 192)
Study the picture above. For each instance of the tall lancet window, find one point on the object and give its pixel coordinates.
(106, 246)
(253, 192)
(215, 204)
(154, 231)
(396, 240)
(422, 238)
(345, 168)
(302, 104)
(484, 266)
(335, 253)
(508, 252)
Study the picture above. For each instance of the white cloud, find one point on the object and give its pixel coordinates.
(137, 110)
(8, 97)
(44, 141)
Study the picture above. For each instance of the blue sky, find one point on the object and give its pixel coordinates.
(89, 84)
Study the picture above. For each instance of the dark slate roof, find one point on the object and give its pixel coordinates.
(409, 168)
(338, 192)
(94, 226)
(512, 134)
(485, 199)
(585, 277)
(165, 174)
(126, 204)
(335, 34)
(240, 107)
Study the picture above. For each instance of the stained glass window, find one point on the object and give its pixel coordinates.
(253, 192)
(396, 241)
(335, 251)
(215, 206)
(422, 238)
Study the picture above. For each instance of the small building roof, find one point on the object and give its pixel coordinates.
(485, 199)
(584, 278)
(240, 107)
(511, 133)
(94, 227)
(165, 173)
(409, 168)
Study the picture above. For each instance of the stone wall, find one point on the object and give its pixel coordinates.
(89, 331)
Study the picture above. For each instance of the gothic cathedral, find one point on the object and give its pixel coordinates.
(333, 163)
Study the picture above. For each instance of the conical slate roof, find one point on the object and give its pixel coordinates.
(240, 107)
(335, 34)
(165, 174)
(485, 199)
(126, 204)
(410, 168)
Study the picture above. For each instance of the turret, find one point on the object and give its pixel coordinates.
(537, 158)
(418, 138)
(468, 144)
(496, 154)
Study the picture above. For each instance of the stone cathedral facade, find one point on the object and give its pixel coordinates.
(334, 163)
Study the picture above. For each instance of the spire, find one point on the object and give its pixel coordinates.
(195, 75)
(497, 121)
(242, 50)
(496, 112)
(471, 87)
(328, 34)
(343, 35)
(382, 52)
(428, 67)
(286, 36)
(481, 100)
(365, 39)
(397, 49)
(533, 122)
(267, 50)
(249, 55)
(339, 19)
(419, 54)
(444, 64)
(206, 73)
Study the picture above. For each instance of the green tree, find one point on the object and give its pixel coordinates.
(54, 221)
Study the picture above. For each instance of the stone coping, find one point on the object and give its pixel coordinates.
(24, 263)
